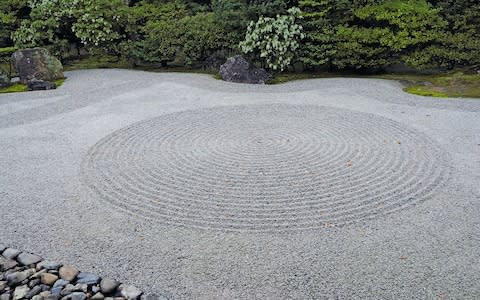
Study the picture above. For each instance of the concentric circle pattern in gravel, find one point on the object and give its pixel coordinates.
(264, 167)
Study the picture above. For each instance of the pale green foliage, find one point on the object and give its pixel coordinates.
(274, 40)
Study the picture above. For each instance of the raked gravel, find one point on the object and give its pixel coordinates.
(192, 188)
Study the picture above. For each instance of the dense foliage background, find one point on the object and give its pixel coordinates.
(362, 35)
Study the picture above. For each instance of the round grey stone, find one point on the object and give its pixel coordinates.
(87, 278)
(11, 253)
(108, 286)
(28, 259)
(129, 292)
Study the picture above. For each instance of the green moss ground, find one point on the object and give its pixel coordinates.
(452, 85)
(20, 87)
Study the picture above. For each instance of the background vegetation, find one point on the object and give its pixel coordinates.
(362, 36)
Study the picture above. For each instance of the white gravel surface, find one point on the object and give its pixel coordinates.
(193, 188)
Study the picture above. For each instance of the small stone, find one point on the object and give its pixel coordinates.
(129, 291)
(61, 283)
(48, 265)
(98, 296)
(77, 296)
(39, 273)
(68, 273)
(44, 287)
(88, 278)
(3, 285)
(108, 286)
(33, 292)
(67, 290)
(11, 253)
(5, 296)
(7, 264)
(95, 289)
(45, 294)
(33, 283)
(70, 288)
(17, 277)
(37, 297)
(20, 292)
(27, 259)
(48, 279)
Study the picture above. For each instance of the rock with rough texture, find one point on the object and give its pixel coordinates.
(214, 61)
(70, 288)
(75, 296)
(37, 63)
(97, 296)
(33, 292)
(40, 85)
(4, 81)
(87, 278)
(7, 264)
(108, 285)
(48, 265)
(68, 273)
(11, 253)
(5, 296)
(17, 277)
(129, 292)
(238, 69)
(61, 283)
(28, 259)
(20, 292)
(48, 279)
(45, 294)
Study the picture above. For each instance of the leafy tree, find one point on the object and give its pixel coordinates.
(383, 33)
(318, 47)
(274, 41)
(459, 43)
(153, 28)
(232, 17)
(59, 23)
(266, 8)
(11, 13)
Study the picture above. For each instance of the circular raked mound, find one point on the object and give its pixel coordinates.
(264, 167)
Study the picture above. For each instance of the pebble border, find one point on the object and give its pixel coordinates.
(28, 276)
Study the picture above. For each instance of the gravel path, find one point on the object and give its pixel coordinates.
(188, 187)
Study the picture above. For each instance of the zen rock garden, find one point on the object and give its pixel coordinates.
(232, 149)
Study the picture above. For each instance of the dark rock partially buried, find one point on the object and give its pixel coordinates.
(40, 85)
(37, 63)
(238, 69)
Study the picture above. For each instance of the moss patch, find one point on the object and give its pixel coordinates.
(20, 87)
(14, 88)
(94, 62)
(442, 85)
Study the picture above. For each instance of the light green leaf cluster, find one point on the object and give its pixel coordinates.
(274, 40)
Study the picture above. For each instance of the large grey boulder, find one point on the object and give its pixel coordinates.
(37, 63)
(238, 69)
(4, 79)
